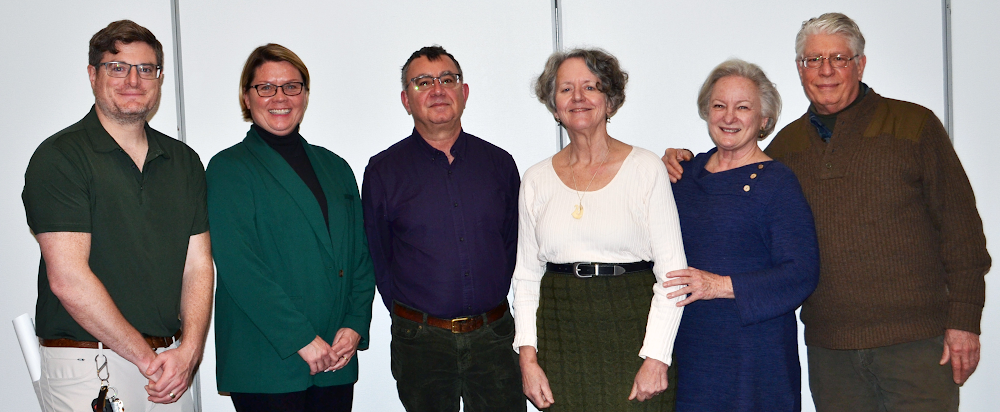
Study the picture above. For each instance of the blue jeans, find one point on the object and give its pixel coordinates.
(434, 367)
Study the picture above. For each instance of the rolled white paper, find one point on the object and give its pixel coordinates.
(25, 330)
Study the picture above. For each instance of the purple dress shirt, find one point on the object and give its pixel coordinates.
(443, 237)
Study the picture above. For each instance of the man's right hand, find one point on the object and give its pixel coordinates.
(317, 355)
(672, 158)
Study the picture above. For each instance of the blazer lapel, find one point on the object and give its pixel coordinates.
(293, 184)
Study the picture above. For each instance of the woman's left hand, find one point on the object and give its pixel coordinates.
(699, 284)
(650, 381)
(345, 345)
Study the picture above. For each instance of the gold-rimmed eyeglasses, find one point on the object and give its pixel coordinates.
(837, 61)
(446, 80)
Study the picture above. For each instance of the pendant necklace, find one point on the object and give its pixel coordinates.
(578, 208)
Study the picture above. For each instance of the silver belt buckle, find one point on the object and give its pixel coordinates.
(576, 270)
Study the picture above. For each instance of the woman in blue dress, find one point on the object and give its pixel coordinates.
(752, 254)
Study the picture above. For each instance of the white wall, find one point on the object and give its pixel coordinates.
(354, 51)
(976, 37)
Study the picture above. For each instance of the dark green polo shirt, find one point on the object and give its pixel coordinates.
(80, 180)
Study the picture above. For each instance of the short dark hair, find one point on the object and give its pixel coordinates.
(270, 52)
(126, 32)
(432, 53)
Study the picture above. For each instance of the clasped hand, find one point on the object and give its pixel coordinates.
(170, 373)
(323, 357)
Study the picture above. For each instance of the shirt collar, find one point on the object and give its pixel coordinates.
(102, 142)
(457, 149)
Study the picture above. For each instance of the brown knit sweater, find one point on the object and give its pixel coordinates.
(902, 250)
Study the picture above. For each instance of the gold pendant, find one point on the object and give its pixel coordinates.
(577, 211)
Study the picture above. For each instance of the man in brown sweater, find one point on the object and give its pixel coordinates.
(902, 250)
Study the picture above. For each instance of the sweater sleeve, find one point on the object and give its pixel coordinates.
(952, 208)
(794, 271)
(668, 255)
(528, 270)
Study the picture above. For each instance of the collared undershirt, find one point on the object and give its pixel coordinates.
(824, 123)
(291, 149)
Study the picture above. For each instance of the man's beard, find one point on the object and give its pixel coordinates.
(123, 117)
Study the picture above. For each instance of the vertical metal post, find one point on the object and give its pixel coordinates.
(175, 20)
(175, 23)
(949, 101)
(557, 46)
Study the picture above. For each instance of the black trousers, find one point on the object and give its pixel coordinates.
(315, 399)
(434, 367)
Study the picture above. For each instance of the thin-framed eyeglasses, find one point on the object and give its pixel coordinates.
(289, 89)
(446, 80)
(146, 71)
(837, 61)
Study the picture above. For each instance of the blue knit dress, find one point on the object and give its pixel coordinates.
(754, 225)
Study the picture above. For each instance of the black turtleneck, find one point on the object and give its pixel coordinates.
(291, 149)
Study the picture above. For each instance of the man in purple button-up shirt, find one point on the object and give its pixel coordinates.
(441, 217)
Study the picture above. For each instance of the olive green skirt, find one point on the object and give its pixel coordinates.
(589, 335)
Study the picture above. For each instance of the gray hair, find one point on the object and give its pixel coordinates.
(831, 23)
(601, 63)
(770, 100)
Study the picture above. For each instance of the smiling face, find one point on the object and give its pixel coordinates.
(130, 99)
(734, 114)
(278, 114)
(830, 90)
(580, 104)
(437, 106)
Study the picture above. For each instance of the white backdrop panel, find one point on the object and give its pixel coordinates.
(669, 48)
(976, 88)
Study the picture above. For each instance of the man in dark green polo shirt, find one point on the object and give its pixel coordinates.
(119, 211)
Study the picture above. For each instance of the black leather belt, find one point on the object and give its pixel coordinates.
(591, 269)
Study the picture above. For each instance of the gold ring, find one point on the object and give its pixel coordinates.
(172, 396)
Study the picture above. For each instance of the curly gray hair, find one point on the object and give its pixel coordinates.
(601, 63)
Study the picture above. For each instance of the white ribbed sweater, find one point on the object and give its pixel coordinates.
(631, 219)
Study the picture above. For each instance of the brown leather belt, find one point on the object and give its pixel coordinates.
(457, 325)
(155, 342)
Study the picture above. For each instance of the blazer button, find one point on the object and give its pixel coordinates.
(341, 274)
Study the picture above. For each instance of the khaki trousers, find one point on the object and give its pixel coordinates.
(69, 382)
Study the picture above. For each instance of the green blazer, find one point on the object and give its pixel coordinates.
(284, 277)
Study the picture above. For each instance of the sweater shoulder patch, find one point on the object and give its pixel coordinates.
(903, 120)
(791, 139)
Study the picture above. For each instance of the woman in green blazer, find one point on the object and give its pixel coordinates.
(295, 280)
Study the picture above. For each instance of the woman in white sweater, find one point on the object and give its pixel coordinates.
(595, 336)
